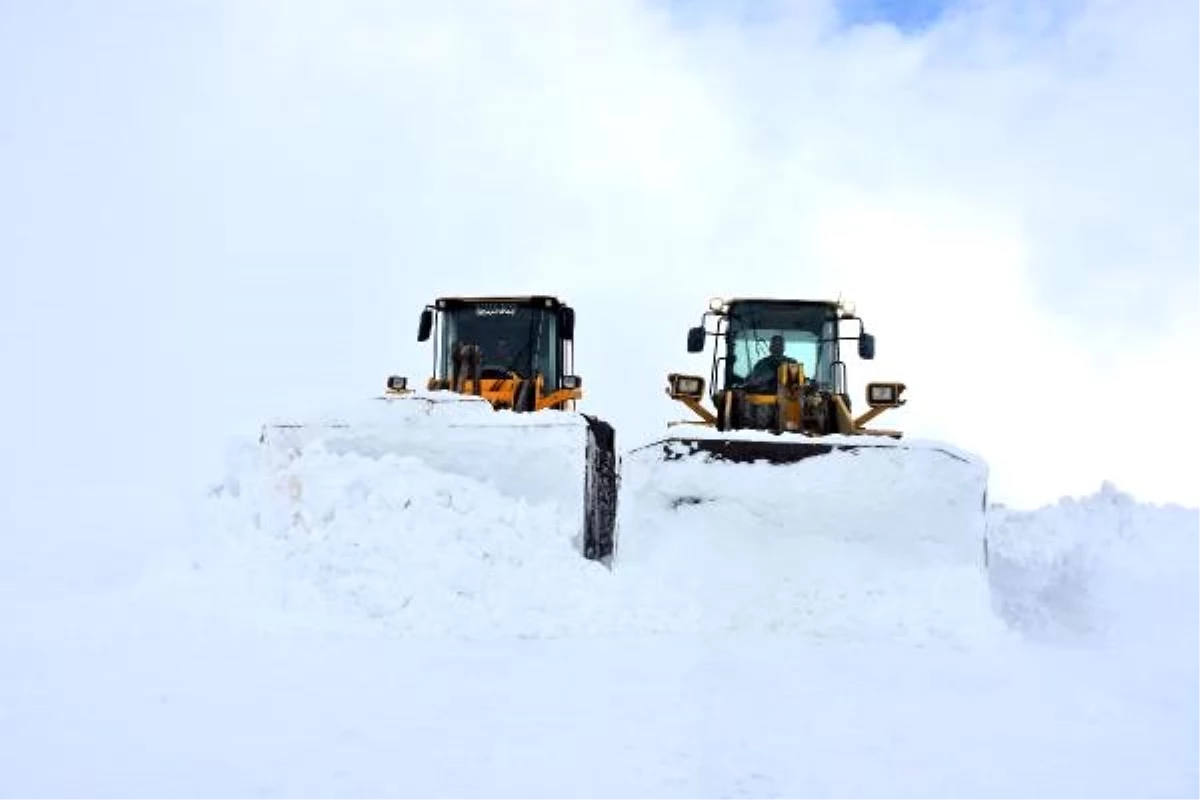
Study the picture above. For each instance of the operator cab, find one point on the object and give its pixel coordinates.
(808, 331)
(521, 336)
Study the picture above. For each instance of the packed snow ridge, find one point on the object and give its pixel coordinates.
(387, 520)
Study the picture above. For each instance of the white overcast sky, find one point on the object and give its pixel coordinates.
(214, 211)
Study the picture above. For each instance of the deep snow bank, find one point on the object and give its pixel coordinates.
(414, 517)
(463, 522)
(411, 521)
(536, 456)
(370, 546)
(881, 542)
(1101, 567)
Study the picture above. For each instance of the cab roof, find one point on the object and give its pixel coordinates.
(778, 301)
(527, 301)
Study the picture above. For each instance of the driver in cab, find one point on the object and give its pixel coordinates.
(766, 370)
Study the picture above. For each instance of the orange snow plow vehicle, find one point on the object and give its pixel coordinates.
(498, 407)
(778, 397)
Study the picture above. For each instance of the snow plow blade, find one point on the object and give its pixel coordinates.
(777, 450)
(553, 456)
(933, 495)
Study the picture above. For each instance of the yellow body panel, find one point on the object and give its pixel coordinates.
(502, 392)
(789, 398)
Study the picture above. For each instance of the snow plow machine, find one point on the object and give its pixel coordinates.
(781, 439)
(499, 408)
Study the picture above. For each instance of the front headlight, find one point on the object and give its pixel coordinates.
(397, 383)
(571, 381)
(884, 394)
(687, 385)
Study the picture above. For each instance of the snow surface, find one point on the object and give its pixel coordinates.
(396, 605)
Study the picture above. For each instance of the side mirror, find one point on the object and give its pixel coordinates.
(426, 325)
(696, 340)
(566, 323)
(866, 347)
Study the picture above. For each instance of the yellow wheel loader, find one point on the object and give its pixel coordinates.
(499, 407)
(778, 397)
(777, 368)
(515, 352)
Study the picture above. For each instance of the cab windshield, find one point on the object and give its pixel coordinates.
(511, 337)
(807, 332)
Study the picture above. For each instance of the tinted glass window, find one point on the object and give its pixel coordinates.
(511, 337)
(806, 332)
